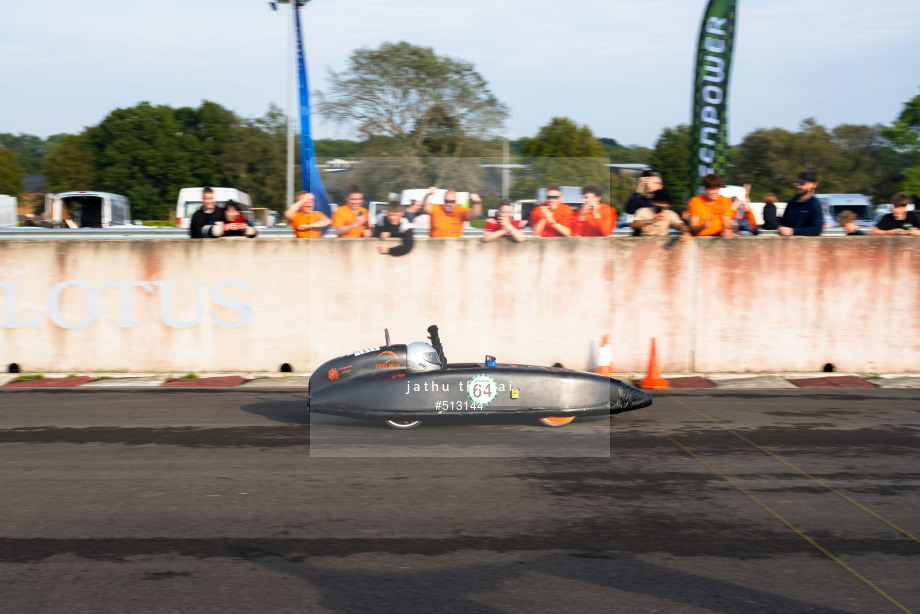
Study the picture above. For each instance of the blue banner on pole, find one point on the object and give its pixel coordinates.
(309, 172)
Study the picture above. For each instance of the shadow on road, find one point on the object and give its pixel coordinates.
(286, 412)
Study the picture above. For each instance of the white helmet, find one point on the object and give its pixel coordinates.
(422, 357)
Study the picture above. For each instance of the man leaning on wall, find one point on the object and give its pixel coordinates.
(595, 218)
(659, 221)
(394, 226)
(552, 218)
(900, 221)
(305, 221)
(352, 220)
(710, 212)
(208, 221)
(447, 219)
(803, 216)
(648, 184)
(503, 224)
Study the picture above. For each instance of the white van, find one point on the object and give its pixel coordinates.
(87, 209)
(834, 204)
(189, 202)
(407, 196)
(8, 215)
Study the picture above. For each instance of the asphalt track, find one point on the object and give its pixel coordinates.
(218, 501)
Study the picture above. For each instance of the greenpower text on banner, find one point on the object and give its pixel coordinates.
(709, 135)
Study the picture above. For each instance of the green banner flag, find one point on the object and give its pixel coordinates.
(709, 133)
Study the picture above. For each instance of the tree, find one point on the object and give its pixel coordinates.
(625, 154)
(422, 103)
(847, 159)
(254, 158)
(563, 138)
(859, 157)
(148, 153)
(72, 164)
(562, 152)
(30, 149)
(903, 138)
(670, 157)
(11, 173)
(335, 148)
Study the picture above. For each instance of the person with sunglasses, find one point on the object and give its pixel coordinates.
(803, 216)
(553, 218)
(447, 219)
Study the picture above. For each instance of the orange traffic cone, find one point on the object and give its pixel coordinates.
(653, 381)
(605, 358)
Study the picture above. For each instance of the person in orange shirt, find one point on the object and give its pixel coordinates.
(553, 218)
(304, 221)
(594, 219)
(447, 219)
(350, 220)
(711, 213)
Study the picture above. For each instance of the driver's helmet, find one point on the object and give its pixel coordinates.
(422, 357)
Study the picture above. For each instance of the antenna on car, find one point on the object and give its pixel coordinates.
(436, 344)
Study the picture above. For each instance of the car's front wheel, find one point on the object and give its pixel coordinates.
(402, 424)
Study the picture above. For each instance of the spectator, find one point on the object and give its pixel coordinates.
(413, 210)
(304, 220)
(803, 215)
(847, 221)
(236, 224)
(769, 213)
(447, 219)
(900, 221)
(710, 212)
(658, 221)
(503, 224)
(394, 225)
(553, 218)
(350, 221)
(649, 182)
(594, 219)
(208, 221)
(743, 220)
(29, 221)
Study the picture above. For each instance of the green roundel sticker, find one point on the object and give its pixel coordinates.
(482, 389)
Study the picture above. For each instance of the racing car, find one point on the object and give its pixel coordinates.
(404, 384)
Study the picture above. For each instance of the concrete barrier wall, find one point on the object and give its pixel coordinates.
(746, 305)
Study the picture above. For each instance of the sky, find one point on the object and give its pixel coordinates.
(621, 67)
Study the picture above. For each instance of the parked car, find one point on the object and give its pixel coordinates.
(87, 209)
(835, 204)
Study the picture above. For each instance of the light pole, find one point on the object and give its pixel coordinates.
(291, 93)
(506, 172)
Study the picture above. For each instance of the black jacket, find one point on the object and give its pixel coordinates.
(637, 201)
(200, 219)
(769, 217)
(403, 231)
(805, 218)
